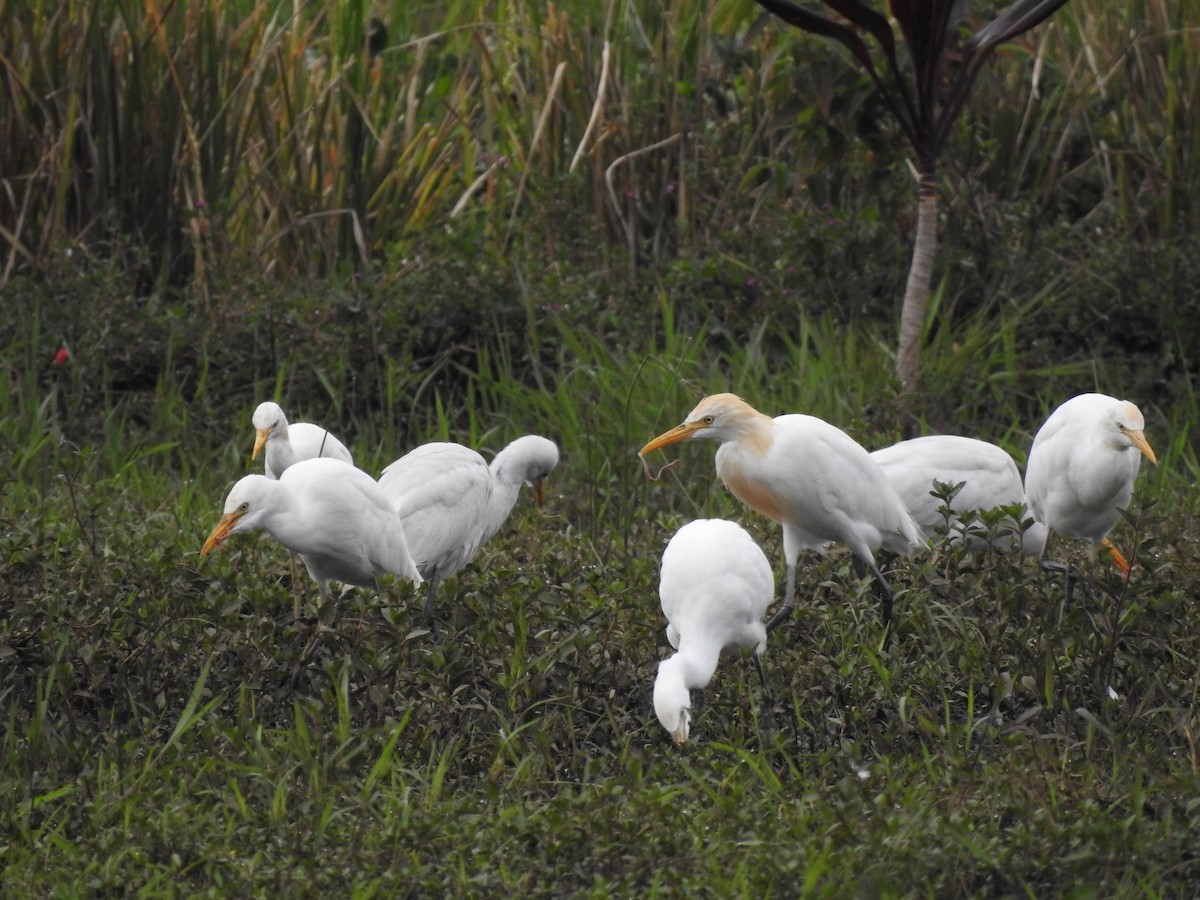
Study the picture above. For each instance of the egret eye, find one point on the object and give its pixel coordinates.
(245, 505)
(708, 420)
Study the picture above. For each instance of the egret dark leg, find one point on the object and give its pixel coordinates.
(297, 600)
(762, 676)
(862, 566)
(430, 591)
(1063, 568)
(766, 715)
(788, 600)
(885, 595)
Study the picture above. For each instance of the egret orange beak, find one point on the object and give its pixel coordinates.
(260, 441)
(221, 531)
(1138, 439)
(539, 492)
(674, 436)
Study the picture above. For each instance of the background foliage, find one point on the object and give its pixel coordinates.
(572, 219)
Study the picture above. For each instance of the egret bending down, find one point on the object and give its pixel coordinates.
(715, 587)
(988, 476)
(1082, 465)
(333, 515)
(289, 444)
(806, 474)
(452, 502)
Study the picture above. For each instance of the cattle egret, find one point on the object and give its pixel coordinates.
(1082, 465)
(715, 587)
(451, 501)
(332, 515)
(806, 474)
(288, 444)
(987, 474)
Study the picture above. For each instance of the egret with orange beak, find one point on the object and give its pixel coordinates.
(1082, 465)
(287, 444)
(334, 516)
(808, 475)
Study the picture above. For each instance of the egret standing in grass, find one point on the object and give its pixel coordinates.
(988, 476)
(715, 587)
(288, 444)
(334, 516)
(452, 502)
(808, 475)
(1082, 465)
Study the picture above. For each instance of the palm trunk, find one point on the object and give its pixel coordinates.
(920, 275)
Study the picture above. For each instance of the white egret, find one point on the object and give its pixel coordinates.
(1082, 465)
(287, 444)
(806, 474)
(452, 502)
(988, 475)
(715, 587)
(334, 516)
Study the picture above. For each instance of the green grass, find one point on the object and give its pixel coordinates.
(169, 730)
(212, 207)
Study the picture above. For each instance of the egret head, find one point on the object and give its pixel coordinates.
(1130, 426)
(244, 510)
(530, 460)
(672, 704)
(267, 419)
(718, 416)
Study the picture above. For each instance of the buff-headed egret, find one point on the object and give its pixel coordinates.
(715, 587)
(334, 516)
(287, 444)
(808, 475)
(452, 502)
(1082, 465)
(988, 476)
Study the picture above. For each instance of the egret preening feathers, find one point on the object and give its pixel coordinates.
(333, 515)
(715, 587)
(287, 444)
(806, 474)
(988, 476)
(452, 502)
(1082, 465)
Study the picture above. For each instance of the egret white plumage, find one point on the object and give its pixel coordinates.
(333, 515)
(1082, 465)
(806, 474)
(452, 502)
(715, 587)
(290, 443)
(988, 476)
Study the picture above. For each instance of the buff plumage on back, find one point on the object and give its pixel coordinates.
(806, 474)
